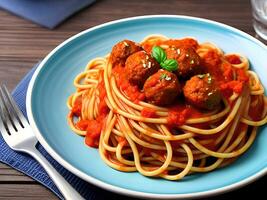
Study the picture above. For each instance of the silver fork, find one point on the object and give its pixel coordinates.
(18, 134)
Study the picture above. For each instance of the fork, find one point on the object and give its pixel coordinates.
(19, 135)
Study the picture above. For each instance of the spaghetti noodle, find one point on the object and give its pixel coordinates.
(172, 141)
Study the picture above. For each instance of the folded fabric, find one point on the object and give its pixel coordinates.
(48, 13)
(30, 167)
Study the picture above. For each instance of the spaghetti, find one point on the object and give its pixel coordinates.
(171, 141)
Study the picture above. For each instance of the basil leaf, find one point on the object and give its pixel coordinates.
(170, 65)
(159, 54)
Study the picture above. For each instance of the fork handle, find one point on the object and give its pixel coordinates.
(64, 187)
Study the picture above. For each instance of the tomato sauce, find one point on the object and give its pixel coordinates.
(82, 125)
(103, 108)
(122, 141)
(223, 72)
(93, 131)
(77, 108)
(255, 110)
(241, 75)
(227, 71)
(237, 86)
(212, 60)
(131, 91)
(180, 112)
(177, 118)
(229, 79)
(148, 46)
(175, 145)
(233, 59)
(149, 112)
(232, 86)
(92, 127)
(186, 42)
(240, 128)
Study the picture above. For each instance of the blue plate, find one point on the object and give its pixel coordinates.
(52, 83)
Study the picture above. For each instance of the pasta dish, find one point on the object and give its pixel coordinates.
(168, 107)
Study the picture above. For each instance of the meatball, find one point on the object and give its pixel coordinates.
(122, 50)
(188, 61)
(139, 66)
(202, 92)
(162, 88)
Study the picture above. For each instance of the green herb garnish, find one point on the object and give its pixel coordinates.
(160, 56)
(170, 65)
(165, 76)
(162, 76)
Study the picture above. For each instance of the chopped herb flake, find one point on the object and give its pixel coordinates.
(168, 78)
(149, 65)
(165, 76)
(209, 78)
(162, 76)
(126, 44)
(201, 76)
(210, 93)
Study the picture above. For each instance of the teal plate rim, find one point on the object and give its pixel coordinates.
(110, 187)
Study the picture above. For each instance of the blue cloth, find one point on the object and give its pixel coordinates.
(48, 13)
(30, 167)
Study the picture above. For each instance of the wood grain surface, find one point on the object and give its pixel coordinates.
(23, 43)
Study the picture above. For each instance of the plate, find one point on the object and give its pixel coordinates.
(52, 83)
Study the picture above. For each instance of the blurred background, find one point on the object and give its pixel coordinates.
(23, 43)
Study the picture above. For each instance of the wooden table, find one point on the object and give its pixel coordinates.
(22, 44)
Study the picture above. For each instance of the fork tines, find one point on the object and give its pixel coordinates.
(10, 114)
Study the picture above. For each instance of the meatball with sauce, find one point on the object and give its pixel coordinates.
(122, 50)
(162, 88)
(202, 92)
(188, 61)
(139, 66)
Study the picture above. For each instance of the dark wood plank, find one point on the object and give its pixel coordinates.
(22, 44)
(9, 175)
(22, 192)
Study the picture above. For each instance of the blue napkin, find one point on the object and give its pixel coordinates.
(48, 13)
(30, 167)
